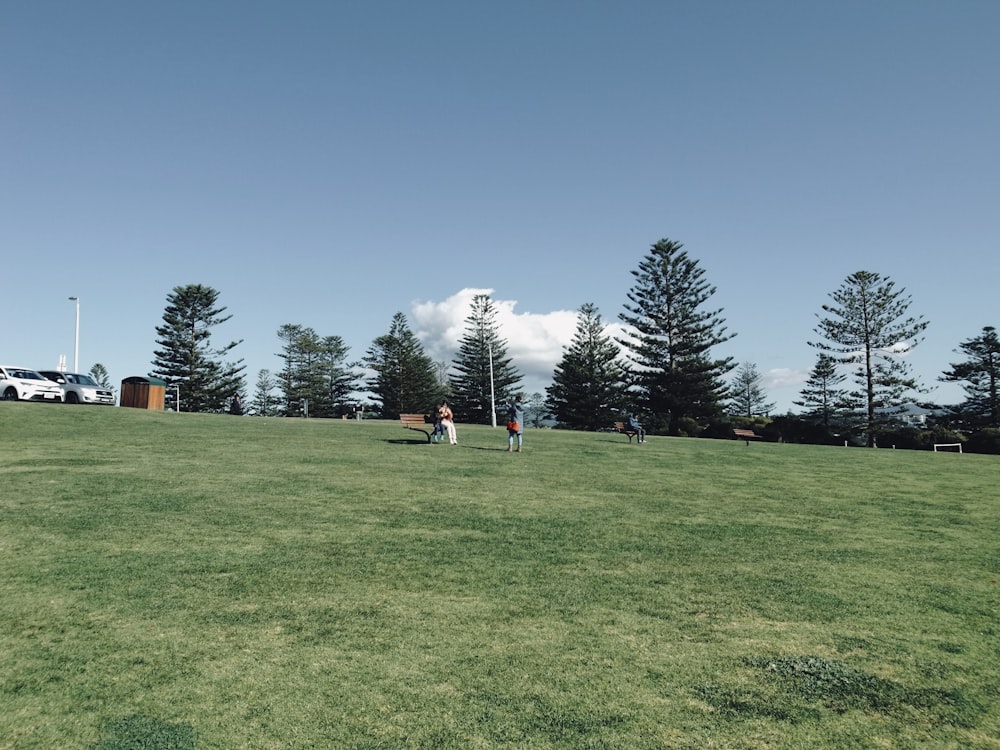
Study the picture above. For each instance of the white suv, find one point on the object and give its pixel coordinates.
(20, 383)
(80, 389)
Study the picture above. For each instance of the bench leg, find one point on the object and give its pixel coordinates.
(417, 429)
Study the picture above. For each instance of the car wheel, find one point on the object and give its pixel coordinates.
(72, 398)
(10, 395)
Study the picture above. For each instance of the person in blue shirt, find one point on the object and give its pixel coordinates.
(515, 424)
(633, 424)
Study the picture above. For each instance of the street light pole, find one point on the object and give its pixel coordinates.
(493, 401)
(76, 337)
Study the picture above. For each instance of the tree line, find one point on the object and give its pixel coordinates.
(661, 368)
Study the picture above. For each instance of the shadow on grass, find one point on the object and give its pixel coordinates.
(802, 688)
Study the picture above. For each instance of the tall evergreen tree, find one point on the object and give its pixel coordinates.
(588, 385)
(671, 339)
(186, 357)
(264, 399)
(980, 377)
(869, 328)
(295, 360)
(338, 378)
(405, 379)
(747, 396)
(479, 346)
(822, 397)
(315, 371)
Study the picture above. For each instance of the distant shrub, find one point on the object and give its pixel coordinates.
(984, 441)
(718, 430)
(793, 429)
(904, 438)
(688, 427)
(911, 438)
(941, 434)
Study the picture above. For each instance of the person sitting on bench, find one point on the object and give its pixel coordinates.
(633, 425)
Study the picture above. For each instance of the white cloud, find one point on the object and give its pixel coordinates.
(784, 376)
(535, 341)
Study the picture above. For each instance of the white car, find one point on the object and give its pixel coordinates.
(23, 384)
(80, 389)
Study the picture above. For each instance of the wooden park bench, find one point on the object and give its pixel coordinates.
(627, 431)
(746, 435)
(417, 422)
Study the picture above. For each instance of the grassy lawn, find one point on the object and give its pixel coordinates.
(194, 581)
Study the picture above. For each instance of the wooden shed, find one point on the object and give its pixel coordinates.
(143, 393)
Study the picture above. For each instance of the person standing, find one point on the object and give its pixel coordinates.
(448, 421)
(515, 424)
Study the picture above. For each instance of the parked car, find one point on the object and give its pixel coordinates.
(80, 389)
(24, 384)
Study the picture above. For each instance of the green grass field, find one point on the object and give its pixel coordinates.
(195, 581)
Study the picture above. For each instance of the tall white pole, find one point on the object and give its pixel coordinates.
(493, 401)
(76, 337)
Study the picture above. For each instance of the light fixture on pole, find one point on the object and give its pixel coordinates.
(76, 337)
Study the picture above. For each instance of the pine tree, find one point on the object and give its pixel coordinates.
(291, 378)
(821, 396)
(405, 380)
(867, 327)
(535, 410)
(186, 357)
(315, 372)
(980, 377)
(480, 346)
(338, 378)
(100, 375)
(671, 338)
(747, 396)
(264, 399)
(588, 385)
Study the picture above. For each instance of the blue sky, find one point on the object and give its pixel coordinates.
(329, 164)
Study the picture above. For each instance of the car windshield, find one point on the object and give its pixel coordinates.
(82, 379)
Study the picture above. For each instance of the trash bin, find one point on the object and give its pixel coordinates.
(143, 393)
